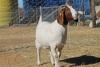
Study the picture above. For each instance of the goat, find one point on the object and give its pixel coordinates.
(81, 18)
(97, 20)
(53, 35)
(98, 15)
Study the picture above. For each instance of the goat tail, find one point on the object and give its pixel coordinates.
(40, 19)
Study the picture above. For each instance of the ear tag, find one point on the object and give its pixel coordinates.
(60, 14)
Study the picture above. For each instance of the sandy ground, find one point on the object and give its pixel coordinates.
(17, 48)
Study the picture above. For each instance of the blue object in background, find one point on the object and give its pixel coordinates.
(29, 5)
(78, 5)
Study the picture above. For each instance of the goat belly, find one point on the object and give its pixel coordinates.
(49, 33)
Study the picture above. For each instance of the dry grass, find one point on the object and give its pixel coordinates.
(17, 48)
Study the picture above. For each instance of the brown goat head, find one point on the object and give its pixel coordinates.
(64, 16)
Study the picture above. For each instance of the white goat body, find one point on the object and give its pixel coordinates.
(47, 33)
(50, 35)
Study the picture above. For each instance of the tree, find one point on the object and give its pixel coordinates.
(82, 5)
(93, 13)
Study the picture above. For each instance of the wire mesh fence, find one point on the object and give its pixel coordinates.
(29, 12)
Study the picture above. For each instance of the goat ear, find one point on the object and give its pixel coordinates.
(60, 18)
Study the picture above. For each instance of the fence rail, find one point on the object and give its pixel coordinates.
(30, 12)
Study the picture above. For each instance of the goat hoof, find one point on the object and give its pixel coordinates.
(52, 63)
(57, 66)
(38, 63)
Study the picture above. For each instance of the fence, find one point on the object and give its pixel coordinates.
(29, 13)
(30, 7)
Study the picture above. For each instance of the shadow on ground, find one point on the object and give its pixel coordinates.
(82, 60)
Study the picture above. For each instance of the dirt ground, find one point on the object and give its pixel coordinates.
(17, 48)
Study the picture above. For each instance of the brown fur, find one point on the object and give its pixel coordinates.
(98, 14)
(60, 16)
(64, 16)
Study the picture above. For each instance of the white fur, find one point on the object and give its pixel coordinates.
(52, 35)
(73, 11)
(80, 12)
(91, 24)
(49, 33)
(98, 22)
